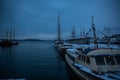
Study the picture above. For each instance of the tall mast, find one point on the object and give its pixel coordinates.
(59, 34)
(14, 33)
(10, 33)
(81, 33)
(7, 34)
(94, 34)
(73, 33)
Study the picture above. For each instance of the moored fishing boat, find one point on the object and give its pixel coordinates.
(63, 47)
(93, 64)
(57, 43)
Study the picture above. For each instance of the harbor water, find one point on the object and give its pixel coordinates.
(32, 60)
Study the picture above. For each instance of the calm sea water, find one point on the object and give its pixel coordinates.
(32, 60)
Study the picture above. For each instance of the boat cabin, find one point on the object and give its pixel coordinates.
(57, 43)
(102, 60)
(72, 54)
(64, 47)
(98, 61)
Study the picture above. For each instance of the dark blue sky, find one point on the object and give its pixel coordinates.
(38, 18)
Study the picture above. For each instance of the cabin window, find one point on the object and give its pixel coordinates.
(76, 53)
(88, 60)
(84, 58)
(79, 56)
(117, 59)
(110, 60)
(100, 60)
(72, 58)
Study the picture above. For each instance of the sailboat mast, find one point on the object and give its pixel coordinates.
(94, 34)
(73, 32)
(7, 34)
(59, 34)
(81, 33)
(14, 33)
(10, 33)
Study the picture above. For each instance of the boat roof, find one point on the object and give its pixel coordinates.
(59, 42)
(72, 51)
(104, 52)
(91, 46)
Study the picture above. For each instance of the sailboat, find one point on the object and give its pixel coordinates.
(58, 41)
(10, 39)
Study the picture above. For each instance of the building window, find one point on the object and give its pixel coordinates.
(110, 60)
(117, 59)
(100, 60)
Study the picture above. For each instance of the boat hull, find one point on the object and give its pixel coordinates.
(80, 73)
(8, 43)
(72, 75)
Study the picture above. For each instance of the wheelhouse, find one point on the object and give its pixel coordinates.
(104, 60)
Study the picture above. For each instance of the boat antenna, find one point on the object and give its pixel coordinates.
(94, 34)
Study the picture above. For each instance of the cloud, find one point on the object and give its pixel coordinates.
(31, 18)
(42, 36)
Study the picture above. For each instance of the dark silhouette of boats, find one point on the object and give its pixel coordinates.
(10, 39)
(8, 43)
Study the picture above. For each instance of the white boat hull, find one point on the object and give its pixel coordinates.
(81, 74)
